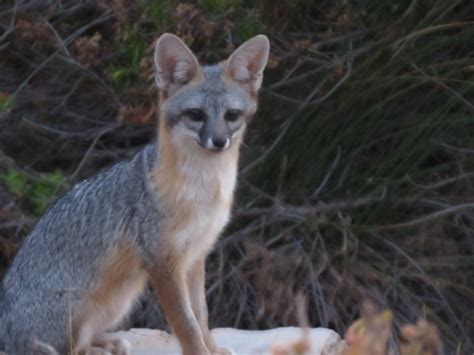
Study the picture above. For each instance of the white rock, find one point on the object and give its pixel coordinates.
(323, 341)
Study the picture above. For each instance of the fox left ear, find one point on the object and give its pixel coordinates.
(175, 64)
(247, 63)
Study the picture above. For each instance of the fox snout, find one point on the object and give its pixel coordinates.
(216, 131)
(217, 143)
(216, 136)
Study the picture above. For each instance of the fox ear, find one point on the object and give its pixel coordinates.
(175, 63)
(247, 62)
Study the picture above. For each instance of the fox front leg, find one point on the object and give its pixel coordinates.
(197, 293)
(172, 291)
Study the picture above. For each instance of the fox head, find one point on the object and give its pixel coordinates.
(208, 107)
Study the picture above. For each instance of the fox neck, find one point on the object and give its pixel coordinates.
(189, 174)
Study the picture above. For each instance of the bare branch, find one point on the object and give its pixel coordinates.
(426, 218)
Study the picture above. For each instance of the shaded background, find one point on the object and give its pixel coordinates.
(357, 173)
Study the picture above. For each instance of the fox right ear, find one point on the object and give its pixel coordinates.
(247, 63)
(175, 64)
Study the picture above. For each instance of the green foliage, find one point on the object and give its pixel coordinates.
(16, 181)
(130, 48)
(44, 189)
(35, 193)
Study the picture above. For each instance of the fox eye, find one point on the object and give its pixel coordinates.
(195, 115)
(232, 115)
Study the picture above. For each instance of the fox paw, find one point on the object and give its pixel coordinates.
(112, 346)
(119, 347)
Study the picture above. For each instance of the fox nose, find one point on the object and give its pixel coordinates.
(219, 142)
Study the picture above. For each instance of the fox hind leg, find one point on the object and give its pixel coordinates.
(104, 313)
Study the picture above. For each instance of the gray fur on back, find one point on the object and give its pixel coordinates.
(41, 289)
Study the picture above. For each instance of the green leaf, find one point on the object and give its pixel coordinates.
(44, 189)
(16, 181)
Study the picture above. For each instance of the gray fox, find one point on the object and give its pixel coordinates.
(153, 218)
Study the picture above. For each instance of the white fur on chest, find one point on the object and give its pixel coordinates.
(209, 211)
